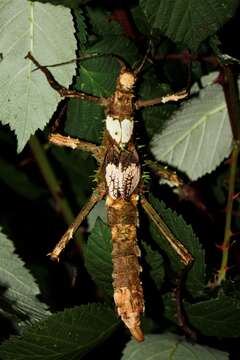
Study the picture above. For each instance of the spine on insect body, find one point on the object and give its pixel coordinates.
(128, 292)
(122, 176)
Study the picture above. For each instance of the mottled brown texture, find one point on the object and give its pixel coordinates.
(116, 214)
(121, 104)
(128, 292)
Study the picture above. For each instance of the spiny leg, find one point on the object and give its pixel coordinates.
(185, 257)
(64, 92)
(165, 173)
(75, 143)
(185, 191)
(161, 100)
(96, 196)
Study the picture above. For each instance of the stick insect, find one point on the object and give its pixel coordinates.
(119, 175)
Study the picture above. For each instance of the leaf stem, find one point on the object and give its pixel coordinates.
(53, 184)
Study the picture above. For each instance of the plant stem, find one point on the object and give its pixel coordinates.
(230, 89)
(231, 94)
(53, 184)
(228, 232)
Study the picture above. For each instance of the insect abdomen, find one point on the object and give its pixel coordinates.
(128, 293)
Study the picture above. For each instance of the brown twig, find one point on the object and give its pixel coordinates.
(182, 321)
(231, 94)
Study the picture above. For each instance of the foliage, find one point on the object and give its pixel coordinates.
(51, 319)
(19, 295)
(190, 23)
(61, 337)
(169, 346)
(28, 26)
(197, 138)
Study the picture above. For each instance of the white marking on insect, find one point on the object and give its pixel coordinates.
(122, 182)
(114, 128)
(119, 130)
(127, 130)
(112, 179)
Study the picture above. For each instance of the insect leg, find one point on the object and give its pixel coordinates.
(96, 196)
(64, 92)
(75, 143)
(165, 173)
(185, 256)
(161, 100)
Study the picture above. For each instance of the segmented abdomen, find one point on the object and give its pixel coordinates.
(128, 293)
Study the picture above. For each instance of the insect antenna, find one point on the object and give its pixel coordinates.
(142, 63)
(86, 57)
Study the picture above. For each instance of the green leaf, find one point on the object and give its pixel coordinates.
(97, 77)
(65, 335)
(169, 346)
(118, 45)
(154, 116)
(27, 101)
(198, 137)
(189, 21)
(101, 22)
(110, 35)
(100, 211)
(140, 20)
(20, 290)
(84, 120)
(98, 259)
(155, 261)
(218, 317)
(195, 279)
(74, 4)
(80, 26)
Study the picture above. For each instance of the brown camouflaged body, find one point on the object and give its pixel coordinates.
(122, 210)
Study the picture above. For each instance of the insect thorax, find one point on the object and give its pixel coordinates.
(122, 168)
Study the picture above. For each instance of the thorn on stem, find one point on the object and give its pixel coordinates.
(235, 196)
(222, 247)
